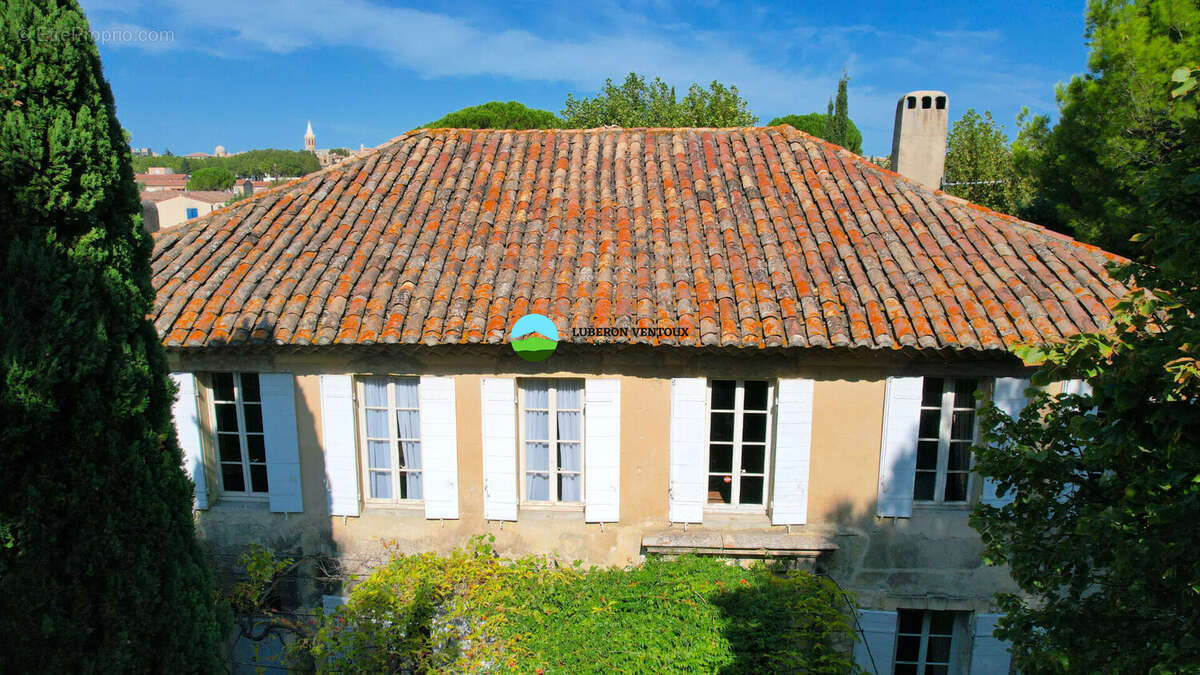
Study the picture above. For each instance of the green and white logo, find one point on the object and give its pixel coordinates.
(534, 337)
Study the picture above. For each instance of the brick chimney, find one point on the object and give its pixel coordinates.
(919, 137)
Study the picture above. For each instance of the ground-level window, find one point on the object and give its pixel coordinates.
(241, 446)
(947, 432)
(391, 438)
(739, 447)
(551, 420)
(927, 642)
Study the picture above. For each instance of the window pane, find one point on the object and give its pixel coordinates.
(569, 394)
(537, 487)
(719, 489)
(924, 485)
(937, 670)
(755, 396)
(720, 458)
(752, 490)
(252, 412)
(941, 623)
(381, 485)
(258, 477)
(223, 386)
(375, 390)
(231, 447)
(754, 427)
(910, 620)
(379, 455)
(908, 647)
(959, 456)
(938, 650)
(927, 452)
(963, 425)
(410, 454)
(569, 424)
(408, 423)
(412, 484)
(250, 388)
(537, 425)
(377, 424)
(752, 458)
(931, 392)
(232, 478)
(721, 428)
(256, 448)
(931, 420)
(722, 394)
(569, 457)
(537, 393)
(406, 392)
(227, 417)
(537, 456)
(964, 393)
(956, 487)
(906, 669)
(568, 487)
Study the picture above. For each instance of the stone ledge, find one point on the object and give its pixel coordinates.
(736, 543)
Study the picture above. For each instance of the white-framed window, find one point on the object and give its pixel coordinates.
(928, 642)
(739, 442)
(944, 440)
(551, 432)
(390, 439)
(240, 443)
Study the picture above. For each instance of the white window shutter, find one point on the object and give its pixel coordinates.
(339, 443)
(1008, 393)
(689, 407)
(989, 655)
(793, 445)
(602, 450)
(187, 428)
(1080, 387)
(877, 646)
(439, 447)
(499, 448)
(898, 450)
(283, 445)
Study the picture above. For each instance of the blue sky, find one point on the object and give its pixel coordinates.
(251, 74)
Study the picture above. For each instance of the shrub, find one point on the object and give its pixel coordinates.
(471, 611)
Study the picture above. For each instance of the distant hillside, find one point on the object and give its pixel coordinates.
(249, 164)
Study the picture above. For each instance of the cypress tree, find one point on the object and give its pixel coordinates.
(99, 567)
(839, 121)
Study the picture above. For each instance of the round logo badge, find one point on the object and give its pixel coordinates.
(534, 337)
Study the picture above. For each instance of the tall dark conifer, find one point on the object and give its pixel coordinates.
(99, 567)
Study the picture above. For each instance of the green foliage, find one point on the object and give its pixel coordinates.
(638, 103)
(1118, 123)
(838, 126)
(814, 123)
(979, 160)
(251, 164)
(470, 611)
(211, 178)
(1102, 532)
(100, 570)
(497, 115)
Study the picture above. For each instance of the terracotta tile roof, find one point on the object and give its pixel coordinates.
(210, 196)
(176, 180)
(751, 237)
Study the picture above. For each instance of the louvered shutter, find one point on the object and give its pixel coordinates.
(989, 655)
(282, 443)
(339, 444)
(1009, 395)
(499, 448)
(793, 442)
(689, 403)
(602, 450)
(187, 429)
(439, 446)
(898, 450)
(877, 643)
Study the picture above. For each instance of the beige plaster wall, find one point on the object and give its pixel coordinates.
(932, 558)
(171, 212)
